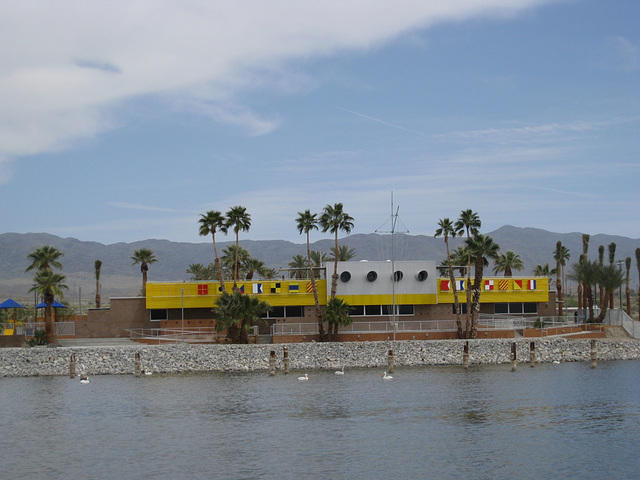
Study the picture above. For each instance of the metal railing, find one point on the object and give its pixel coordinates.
(620, 318)
(175, 335)
(28, 329)
(366, 327)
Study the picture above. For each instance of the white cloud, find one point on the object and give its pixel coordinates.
(64, 64)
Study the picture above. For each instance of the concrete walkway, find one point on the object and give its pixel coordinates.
(95, 342)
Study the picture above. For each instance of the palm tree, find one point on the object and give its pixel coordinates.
(582, 293)
(299, 266)
(211, 222)
(337, 313)
(98, 266)
(236, 312)
(468, 222)
(446, 228)
(545, 271)
(610, 277)
(318, 258)
(240, 220)
(144, 257)
(233, 261)
(601, 263)
(45, 257)
(200, 272)
(334, 219)
(507, 262)
(560, 255)
(627, 291)
(344, 253)
(585, 273)
(48, 284)
(612, 259)
(305, 223)
(254, 266)
(482, 248)
(638, 267)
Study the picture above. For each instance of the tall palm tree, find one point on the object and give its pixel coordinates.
(234, 261)
(98, 266)
(334, 219)
(582, 293)
(318, 258)
(482, 248)
(638, 267)
(446, 229)
(610, 277)
(254, 266)
(601, 263)
(627, 291)
(240, 220)
(49, 284)
(507, 262)
(144, 257)
(305, 223)
(469, 223)
(236, 312)
(200, 272)
(211, 222)
(344, 253)
(560, 255)
(612, 259)
(45, 257)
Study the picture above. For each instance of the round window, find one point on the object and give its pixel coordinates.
(345, 277)
(422, 275)
(372, 276)
(397, 275)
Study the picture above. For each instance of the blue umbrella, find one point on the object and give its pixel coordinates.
(55, 304)
(11, 303)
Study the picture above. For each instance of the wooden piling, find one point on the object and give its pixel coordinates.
(532, 353)
(285, 356)
(465, 355)
(390, 362)
(514, 363)
(272, 363)
(594, 354)
(72, 366)
(138, 365)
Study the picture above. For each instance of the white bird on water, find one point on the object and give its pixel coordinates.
(306, 377)
(340, 372)
(386, 377)
(84, 379)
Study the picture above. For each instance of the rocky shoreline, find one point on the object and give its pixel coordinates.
(181, 358)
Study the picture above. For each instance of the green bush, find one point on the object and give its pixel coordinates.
(39, 338)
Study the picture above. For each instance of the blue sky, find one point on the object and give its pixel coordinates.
(123, 121)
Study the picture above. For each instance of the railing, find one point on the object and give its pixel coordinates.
(619, 317)
(174, 335)
(28, 329)
(366, 327)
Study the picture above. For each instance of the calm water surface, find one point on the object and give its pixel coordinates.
(552, 421)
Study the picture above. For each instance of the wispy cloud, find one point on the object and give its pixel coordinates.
(145, 208)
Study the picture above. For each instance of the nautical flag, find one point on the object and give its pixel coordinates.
(532, 285)
(257, 288)
(275, 288)
(488, 284)
(309, 287)
(444, 285)
(517, 284)
(203, 289)
(241, 289)
(503, 285)
(460, 285)
(294, 287)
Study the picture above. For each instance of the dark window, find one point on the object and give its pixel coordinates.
(356, 310)
(294, 311)
(405, 309)
(371, 276)
(276, 312)
(530, 308)
(345, 276)
(515, 308)
(501, 308)
(373, 310)
(422, 276)
(158, 314)
(397, 276)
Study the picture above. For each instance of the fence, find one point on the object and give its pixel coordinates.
(173, 335)
(620, 318)
(63, 329)
(366, 327)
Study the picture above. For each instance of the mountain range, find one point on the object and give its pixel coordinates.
(120, 278)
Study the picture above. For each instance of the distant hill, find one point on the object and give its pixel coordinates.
(120, 278)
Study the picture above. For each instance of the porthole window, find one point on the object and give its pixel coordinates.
(422, 275)
(345, 276)
(397, 275)
(372, 276)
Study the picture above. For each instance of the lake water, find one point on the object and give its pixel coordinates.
(551, 421)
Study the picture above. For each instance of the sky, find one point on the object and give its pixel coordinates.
(123, 121)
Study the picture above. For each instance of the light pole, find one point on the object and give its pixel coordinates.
(182, 298)
(620, 262)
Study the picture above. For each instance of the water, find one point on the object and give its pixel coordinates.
(552, 421)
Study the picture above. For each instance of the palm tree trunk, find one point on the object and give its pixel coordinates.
(315, 292)
(334, 277)
(218, 265)
(456, 301)
(475, 309)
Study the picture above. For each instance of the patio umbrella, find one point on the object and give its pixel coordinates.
(11, 303)
(55, 304)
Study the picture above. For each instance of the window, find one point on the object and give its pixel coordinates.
(345, 276)
(530, 307)
(422, 276)
(371, 276)
(158, 314)
(397, 275)
(516, 308)
(356, 310)
(463, 308)
(285, 312)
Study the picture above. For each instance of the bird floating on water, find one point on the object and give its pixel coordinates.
(556, 361)
(84, 379)
(340, 372)
(306, 377)
(386, 377)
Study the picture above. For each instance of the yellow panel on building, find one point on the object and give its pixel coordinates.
(498, 289)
